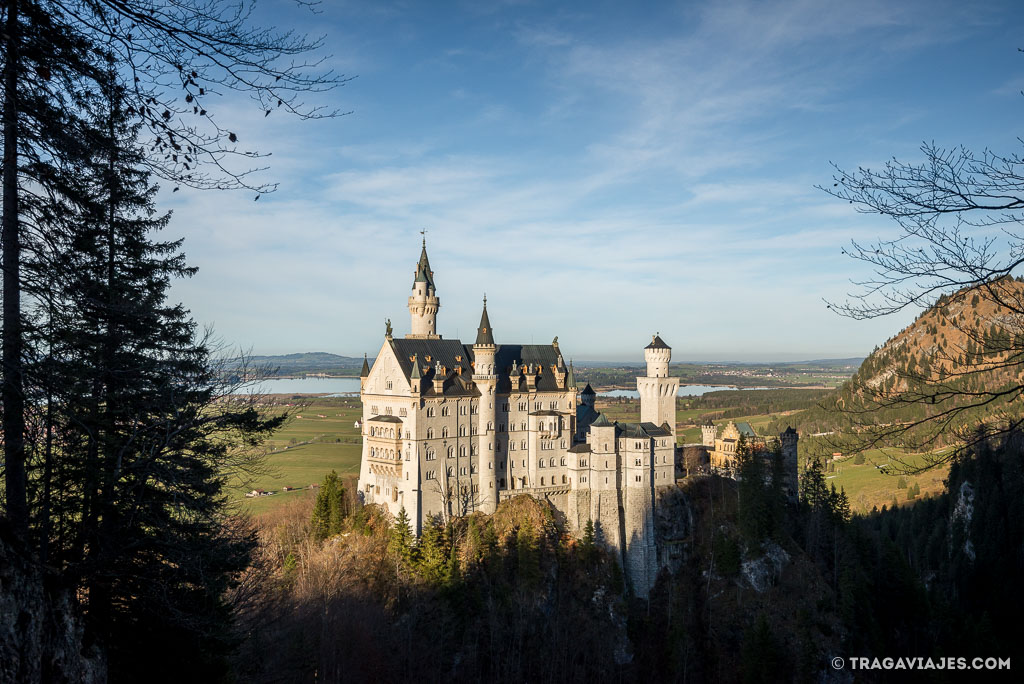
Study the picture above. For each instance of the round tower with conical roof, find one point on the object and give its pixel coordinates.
(423, 302)
(657, 390)
(486, 380)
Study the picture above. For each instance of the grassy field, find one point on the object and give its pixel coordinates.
(306, 449)
(325, 439)
(868, 486)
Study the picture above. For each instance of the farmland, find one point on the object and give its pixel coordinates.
(324, 438)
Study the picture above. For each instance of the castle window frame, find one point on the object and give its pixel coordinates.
(504, 407)
(387, 384)
(462, 471)
(523, 445)
(451, 452)
(403, 412)
(446, 411)
(430, 433)
(462, 431)
(523, 405)
(374, 411)
(430, 455)
(430, 412)
(430, 475)
(388, 410)
(538, 405)
(444, 431)
(462, 451)
(463, 410)
(541, 463)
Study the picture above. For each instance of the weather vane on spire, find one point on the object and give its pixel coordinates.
(424, 234)
(485, 300)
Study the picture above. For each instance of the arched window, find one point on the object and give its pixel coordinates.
(450, 471)
(542, 482)
(490, 425)
(451, 452)
(462, 431)
(445, 410)
(552, 462)
(444, 432)
(462, 451)
(430, 433)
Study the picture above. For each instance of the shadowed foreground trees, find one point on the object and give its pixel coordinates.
(117, 438)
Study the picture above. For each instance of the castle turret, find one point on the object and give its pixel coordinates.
(588, 395)
(708, 433)
(364, 374)
(486, 380)
(657, 390)
(423, 302)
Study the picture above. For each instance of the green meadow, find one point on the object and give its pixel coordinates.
(320, 437)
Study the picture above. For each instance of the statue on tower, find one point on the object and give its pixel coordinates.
(387, 328)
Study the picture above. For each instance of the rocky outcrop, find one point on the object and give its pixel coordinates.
(40, 634)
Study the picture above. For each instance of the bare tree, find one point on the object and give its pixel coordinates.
(958, 245)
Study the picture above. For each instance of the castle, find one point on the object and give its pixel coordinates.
(450, 428)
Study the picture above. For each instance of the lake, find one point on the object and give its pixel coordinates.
(308, 386)
(684, 391)
(348, 386)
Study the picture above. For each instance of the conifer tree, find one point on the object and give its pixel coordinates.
(401, 543)
(328, 510)
(145, 445)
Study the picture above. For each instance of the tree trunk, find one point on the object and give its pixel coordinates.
(12, 394)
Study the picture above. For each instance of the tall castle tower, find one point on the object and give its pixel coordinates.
(657, 390)
(423, 303)
(486, 380)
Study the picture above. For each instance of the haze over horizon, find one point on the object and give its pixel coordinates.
(601, 172)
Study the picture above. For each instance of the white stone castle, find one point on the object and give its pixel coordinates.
(450, 428)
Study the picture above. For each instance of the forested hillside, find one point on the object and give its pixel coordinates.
(930, 386)
(763, 590)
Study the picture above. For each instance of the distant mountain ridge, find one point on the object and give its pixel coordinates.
(304, 363)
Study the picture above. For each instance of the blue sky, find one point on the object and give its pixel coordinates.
(602, 171)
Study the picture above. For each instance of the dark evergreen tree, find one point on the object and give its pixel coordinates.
(144, 444)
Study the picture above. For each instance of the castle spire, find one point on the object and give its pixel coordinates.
(423, 272)
(484, 334)
(423, 303)
(366, 368)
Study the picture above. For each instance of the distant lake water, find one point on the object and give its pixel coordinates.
(309, 386)
(351, 386)
(684, 391)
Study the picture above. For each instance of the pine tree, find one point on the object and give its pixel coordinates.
(401, 543)
(328, 512)
(143, 446)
